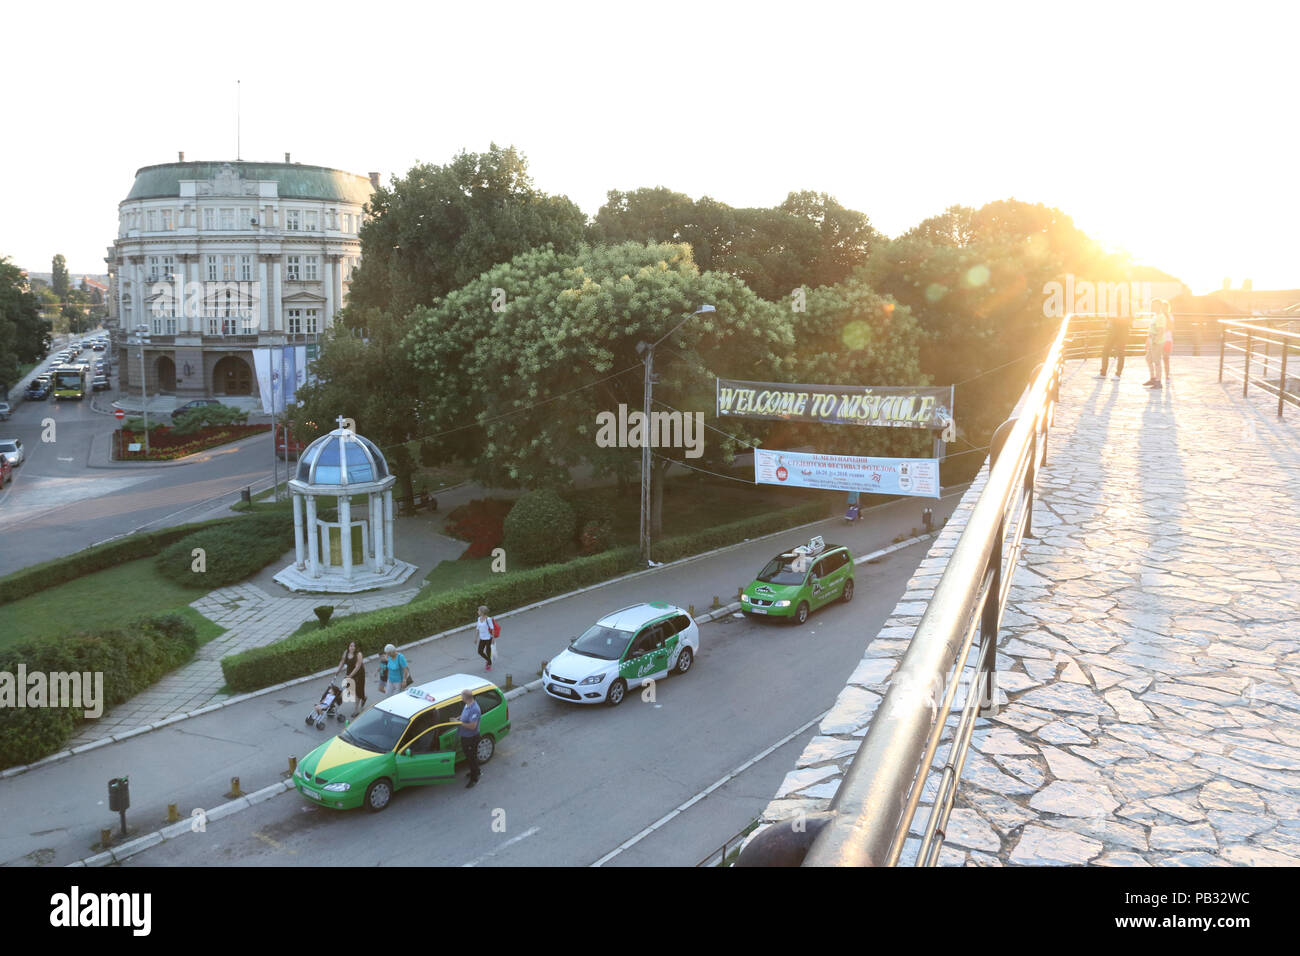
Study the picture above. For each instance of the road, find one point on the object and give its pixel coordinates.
(59, 503)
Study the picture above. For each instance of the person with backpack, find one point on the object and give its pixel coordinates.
(488, 631)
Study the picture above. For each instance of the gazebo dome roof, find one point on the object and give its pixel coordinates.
(341, 458)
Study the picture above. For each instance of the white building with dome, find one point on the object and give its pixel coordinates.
(355, 551)
(219, 259)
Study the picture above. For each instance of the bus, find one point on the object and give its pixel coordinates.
(71, 381)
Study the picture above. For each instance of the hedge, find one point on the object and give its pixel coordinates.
(321, 649)
(110, 554)
(131, 658)
(232, 552)
(538, 528)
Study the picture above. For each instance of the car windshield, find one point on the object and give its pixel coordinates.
(602, 642)
(785, 569)
(376, 730)
(8, 446)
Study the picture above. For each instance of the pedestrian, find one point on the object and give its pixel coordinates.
(469, 735)
(353, 669)
(487, 631)
(383, 672)
(399, 672)
(1169, 336)
(1156, 341)
(1116, 342)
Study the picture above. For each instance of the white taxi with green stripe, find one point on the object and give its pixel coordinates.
(623, 650)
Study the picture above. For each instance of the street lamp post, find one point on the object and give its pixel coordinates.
(142, 340)
(647, 351)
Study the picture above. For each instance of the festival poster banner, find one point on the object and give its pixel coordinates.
(883, 476)
(891, 406)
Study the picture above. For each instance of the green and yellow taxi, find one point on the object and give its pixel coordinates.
(797, 582)
(407, 740)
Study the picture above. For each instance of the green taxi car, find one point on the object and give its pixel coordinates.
(406, 740)
(795, 583)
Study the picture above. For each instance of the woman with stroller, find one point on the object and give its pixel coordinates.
(353, 668)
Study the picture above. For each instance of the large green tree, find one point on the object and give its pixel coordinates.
(59, 279)
(24, 333)
(438, 227)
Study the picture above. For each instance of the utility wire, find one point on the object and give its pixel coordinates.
(702, 471)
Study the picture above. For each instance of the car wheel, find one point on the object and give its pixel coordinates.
(847, 596)
(486, 748)
(684, 661)
(378, 794)
(801, 613)
(617, 691)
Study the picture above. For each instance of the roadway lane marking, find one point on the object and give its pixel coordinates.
(627, 844)
(491, 853)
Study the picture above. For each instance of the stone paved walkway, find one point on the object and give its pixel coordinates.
(1150, 652)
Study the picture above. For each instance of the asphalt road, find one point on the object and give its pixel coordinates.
(59, 504)
(571, 783)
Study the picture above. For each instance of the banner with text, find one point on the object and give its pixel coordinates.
(889, 405)
(882, 476)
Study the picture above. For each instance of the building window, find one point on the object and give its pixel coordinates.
(164, 325)
(167, 222)
(334, 220)
(209, 219)
(294, 268)
(153, 268)
(245, 217)
(295, 321)
(168, 267)
(309, 268)
(227, 219)
(312, 321)
(291, 220)
(311, 224)
(245, 268)
(228, 268)
(150, 225)
(212, 268)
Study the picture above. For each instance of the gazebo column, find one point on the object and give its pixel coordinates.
(376, 503)
(299, 542)
(313, 538)
(388, 528)
(345, 531)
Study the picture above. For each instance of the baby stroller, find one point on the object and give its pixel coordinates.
(328, 707)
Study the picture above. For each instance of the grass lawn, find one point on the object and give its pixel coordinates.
(103, 599)
(449, 575)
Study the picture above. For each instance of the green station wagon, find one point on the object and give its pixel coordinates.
(796, 583)
(406, 740)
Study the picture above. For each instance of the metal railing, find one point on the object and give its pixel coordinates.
(1193, 333)
(1247, 337)
(873, 809)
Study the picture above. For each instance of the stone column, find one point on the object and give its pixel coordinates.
(345, 531)
(388, 528)
(336, 298)
(313, 538)
(142, 289)
(377, 531)
(328, 283)
(263, 296)
(299, 543)
(194, 312)
(277, 312)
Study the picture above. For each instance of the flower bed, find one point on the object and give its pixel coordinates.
(164, 446)
(481, 523)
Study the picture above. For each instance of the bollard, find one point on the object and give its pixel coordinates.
(246, 496)
(119, 798)
(510, 682)
(234, 789)
(740, 590)
(690, 609)
(173, 816)
(293, 765)
(716, 602)
(106, 837)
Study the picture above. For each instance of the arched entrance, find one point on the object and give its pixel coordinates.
(166, 374)
(231, 376)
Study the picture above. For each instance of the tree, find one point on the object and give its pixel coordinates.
(59, 281)
(24, 332)
(438, 227)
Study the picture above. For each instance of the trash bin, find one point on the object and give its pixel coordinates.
(119, 794)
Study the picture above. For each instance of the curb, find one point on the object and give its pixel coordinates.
(711, 615)
(140, 844)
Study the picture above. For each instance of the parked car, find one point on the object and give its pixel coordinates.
(11, 449)
(407, 739)
(795, 583)
(197, 403)
(37, 391)
(4, 411)
(622, 650)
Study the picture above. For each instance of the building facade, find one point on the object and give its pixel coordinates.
(218, 260)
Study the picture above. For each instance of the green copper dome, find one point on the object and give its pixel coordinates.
(296, 181)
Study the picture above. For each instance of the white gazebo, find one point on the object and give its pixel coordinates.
(346, 555)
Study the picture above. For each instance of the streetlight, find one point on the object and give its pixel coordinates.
(647, 351)
(142, 340)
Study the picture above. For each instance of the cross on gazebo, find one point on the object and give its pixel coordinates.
(341, 420)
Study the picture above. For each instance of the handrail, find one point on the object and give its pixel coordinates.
(1254, 333)
(872, 811)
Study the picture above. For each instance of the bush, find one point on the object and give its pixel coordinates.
(594, 538)
(323, 614)
(538, 528)
(38, 577)
(481, 523)
(232, 552)
(190, 421)
(131, 658)
(593, 515)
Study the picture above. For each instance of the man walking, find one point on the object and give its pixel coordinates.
(1116, 341)
(469, 735)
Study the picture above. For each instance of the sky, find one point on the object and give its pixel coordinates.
(1165, 130)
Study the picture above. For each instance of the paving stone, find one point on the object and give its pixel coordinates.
(1061, 732)
(1238, 827)
(1196, 836)
(967, 829)
(1044, 846)
(1175, 807)
(1073, 799)
(1066, 698)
